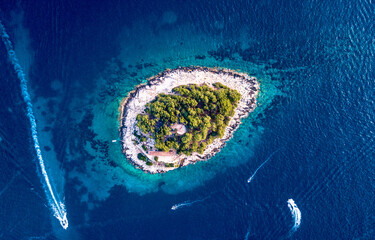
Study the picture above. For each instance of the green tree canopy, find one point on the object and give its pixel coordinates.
(205, 111)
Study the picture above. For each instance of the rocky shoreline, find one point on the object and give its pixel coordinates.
(164, 82)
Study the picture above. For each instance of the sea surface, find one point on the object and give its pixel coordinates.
(301, 166)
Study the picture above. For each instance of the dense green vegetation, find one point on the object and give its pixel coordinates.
(142, 157)
(205, 112)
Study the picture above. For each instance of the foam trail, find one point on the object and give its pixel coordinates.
(261, 165)
(187, 203)
(57, 206)
(9, 183)
(247, 235)
(296, 213)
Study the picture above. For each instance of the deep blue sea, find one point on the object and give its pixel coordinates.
(313, 128)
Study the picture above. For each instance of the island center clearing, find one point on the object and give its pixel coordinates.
(184, 115)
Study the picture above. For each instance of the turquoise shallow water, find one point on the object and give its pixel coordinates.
(315, 63)
(106, 114)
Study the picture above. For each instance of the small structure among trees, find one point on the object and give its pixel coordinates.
(180, 129)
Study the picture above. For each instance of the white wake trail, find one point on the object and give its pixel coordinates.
(57, 206)
(187, 203)
(247, 235)
(8, 184)
(261, 165)
(296, 214)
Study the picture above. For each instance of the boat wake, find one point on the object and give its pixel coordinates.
(261, 165)
(296, 214)
(9, 183)
(187, 203)
(57, 206)
(247, 235)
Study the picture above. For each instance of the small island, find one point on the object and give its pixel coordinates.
(184, 115)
